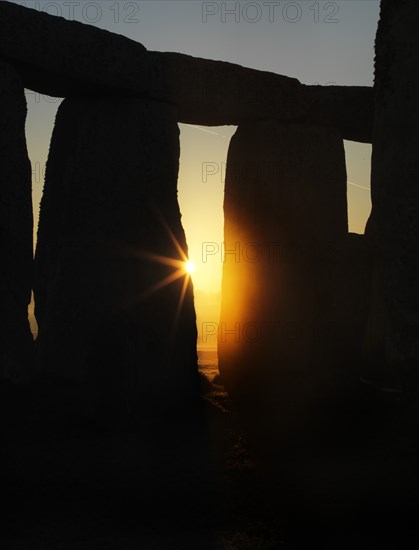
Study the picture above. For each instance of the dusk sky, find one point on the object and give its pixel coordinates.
(315, 42)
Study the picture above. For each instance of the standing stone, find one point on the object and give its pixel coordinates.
(285, 221)
(113, 301)
(16, 228)
(395, 189)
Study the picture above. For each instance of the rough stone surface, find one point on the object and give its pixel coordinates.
(62, 58)
(109, 207)
(395, 190)
(16, 228)
(292, 274)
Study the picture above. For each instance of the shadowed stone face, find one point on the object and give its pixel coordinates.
(395, 191)
(285, 222)
(16, 228)
(109, 238)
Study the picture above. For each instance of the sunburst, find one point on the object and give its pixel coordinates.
(182, 267)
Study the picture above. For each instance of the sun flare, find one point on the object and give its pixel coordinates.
(190, 267)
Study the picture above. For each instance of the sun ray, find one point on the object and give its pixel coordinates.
(180, 304)
(164, 282)
(160, 259)
(182, 268)
(170, 233)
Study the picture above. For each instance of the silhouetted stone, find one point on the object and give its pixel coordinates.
(346, 298)
(108, 214)
(62, 58)
(395, 190)
(216, 93)
(347, 108)
(66, 58)
(285, 222)
(16, 229)
(375, 369)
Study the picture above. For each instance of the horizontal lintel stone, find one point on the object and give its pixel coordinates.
(65, 58)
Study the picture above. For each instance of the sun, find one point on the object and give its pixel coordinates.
(189, 267)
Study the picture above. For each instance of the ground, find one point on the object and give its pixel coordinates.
(221, 478)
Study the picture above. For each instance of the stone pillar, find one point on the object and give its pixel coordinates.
(395, 190)
(113, 301)
(16, 229)
(286, 254)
